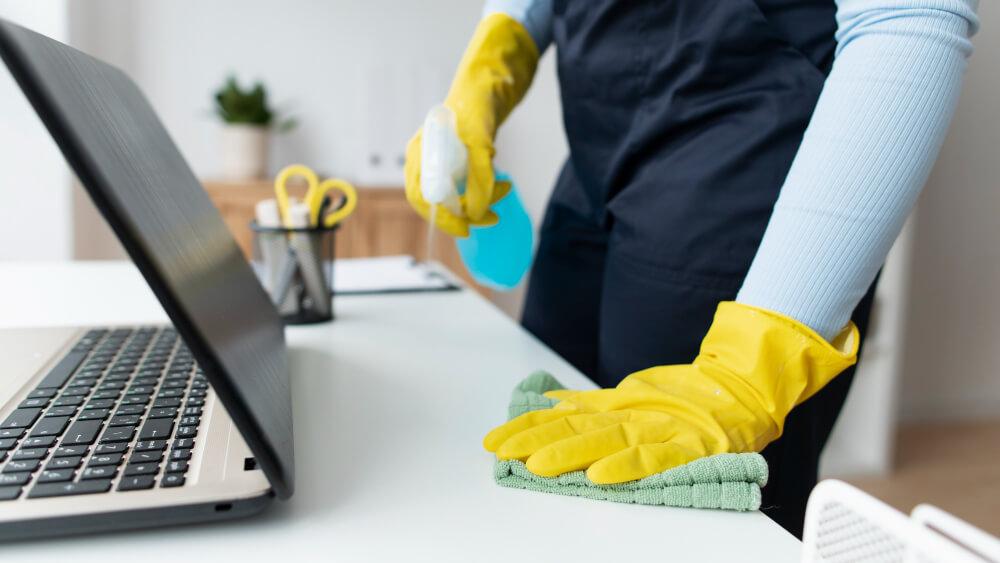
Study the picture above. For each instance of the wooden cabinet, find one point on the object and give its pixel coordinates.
(383, 224)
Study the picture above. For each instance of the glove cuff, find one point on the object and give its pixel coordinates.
(784, 361)
(492, 77)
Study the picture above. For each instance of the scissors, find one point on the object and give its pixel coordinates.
(316, 194)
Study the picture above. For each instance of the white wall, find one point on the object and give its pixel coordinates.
(343, 68)
(35, 217)
(953, 349)
(326, 60)
(359, 75)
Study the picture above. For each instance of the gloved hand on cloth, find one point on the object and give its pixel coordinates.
(754, 366)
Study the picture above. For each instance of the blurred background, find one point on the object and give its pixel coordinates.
(356, 78)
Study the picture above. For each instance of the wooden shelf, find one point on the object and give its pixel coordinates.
(383, 224)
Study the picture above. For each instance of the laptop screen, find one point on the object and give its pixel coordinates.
(139, 181)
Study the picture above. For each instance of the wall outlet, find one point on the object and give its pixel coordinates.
(394, 101)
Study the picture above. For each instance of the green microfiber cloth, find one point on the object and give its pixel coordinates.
(726, 481)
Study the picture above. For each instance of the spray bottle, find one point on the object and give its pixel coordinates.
(497, 256)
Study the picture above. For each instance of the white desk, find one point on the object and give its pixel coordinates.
(391, 402)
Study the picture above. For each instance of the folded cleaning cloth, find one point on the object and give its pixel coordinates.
(726, 481)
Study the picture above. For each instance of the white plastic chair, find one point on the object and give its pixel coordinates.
(845, 524)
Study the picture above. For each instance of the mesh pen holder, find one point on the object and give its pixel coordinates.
(295, 266)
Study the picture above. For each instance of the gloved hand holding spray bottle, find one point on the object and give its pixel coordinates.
(496, 255)
(450, 179)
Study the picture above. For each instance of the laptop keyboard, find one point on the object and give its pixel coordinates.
(119, 411)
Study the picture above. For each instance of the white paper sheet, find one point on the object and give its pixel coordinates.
(385, 274)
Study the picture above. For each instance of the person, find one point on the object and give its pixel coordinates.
(737, 172)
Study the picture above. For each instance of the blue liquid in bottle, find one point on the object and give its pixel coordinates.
(498, 256)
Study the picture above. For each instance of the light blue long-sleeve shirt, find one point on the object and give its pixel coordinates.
(870, 145)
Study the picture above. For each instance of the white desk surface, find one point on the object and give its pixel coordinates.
(391, 401)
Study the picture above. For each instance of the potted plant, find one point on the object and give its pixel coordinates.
(248, 121)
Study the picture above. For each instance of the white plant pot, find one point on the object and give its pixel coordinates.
(245, 150)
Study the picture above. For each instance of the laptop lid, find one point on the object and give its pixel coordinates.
(145, 190)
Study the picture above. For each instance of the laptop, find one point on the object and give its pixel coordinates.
(106, 428)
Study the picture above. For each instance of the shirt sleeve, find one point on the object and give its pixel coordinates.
(870, 145)
(534, 15)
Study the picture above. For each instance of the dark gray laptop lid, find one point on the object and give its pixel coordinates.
(139, 181)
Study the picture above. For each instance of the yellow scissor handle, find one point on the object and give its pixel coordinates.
(315, 201)
(281, 186)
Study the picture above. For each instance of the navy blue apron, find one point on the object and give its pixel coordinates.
(683, 117)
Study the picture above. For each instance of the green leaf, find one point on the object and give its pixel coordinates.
(235, 105)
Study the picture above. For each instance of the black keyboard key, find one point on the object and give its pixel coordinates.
(69, 462)
(3, 455)
(29, 453)
(180, 455)
(94, 414)
(61, 411)
(135, 400)
(130, 409)
(82, 432)
(192, 411)
(168, 393)
(174, 384)
(108, 394)
(168, 402)
(75, 391)
(55, 476)
(140, 390)
(100, 404)
(28, 465)
(21, 418)
(42, 394)
(168, 412)
(98, 460)
(150, 381)
(83, 381)
(61, 372)
(50, 426)
(33, 403)
(124, 420)
(136, 483)
(195, 402)
(11, 432)
(156, 429)
(177, 467)
(102, 472)
(146, 457)
(142, 469)
(8, 479)
(7, 443)
(197, 393)
(39, 442)
(151, 445)
(111, 386)
(183, 444)
(11, 493)
(119, 447)
(65, 489)
(118, 434)
(190, 421)
(172, 480)
(69, 451)
(187, 432)
(68, 401)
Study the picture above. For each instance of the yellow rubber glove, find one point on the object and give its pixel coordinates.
(491, 79)
(754, 366)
